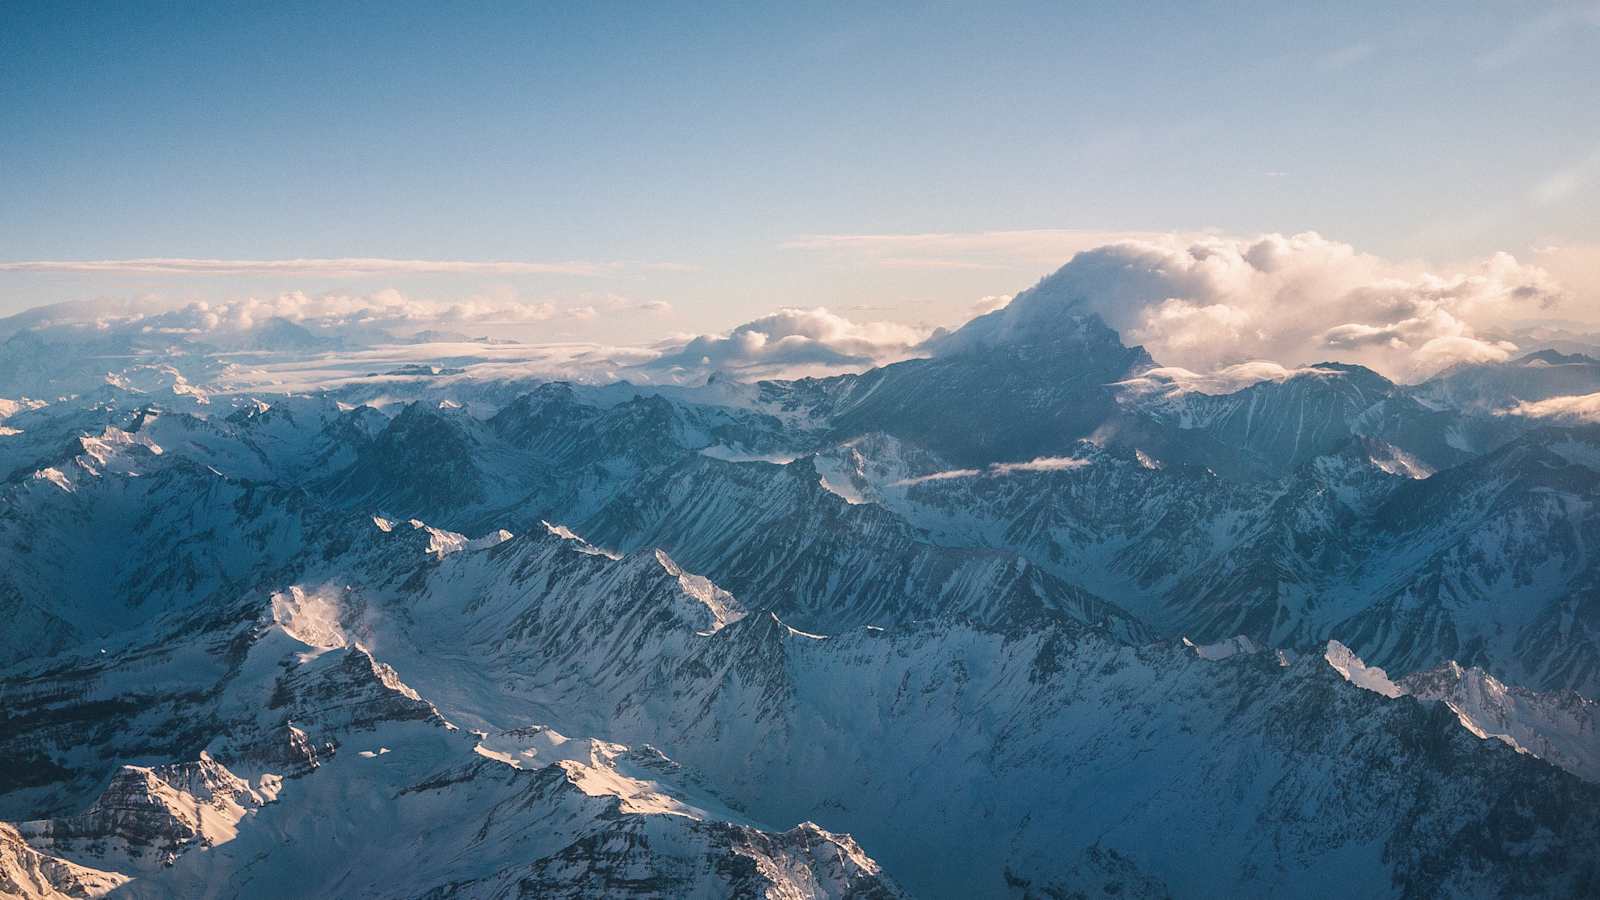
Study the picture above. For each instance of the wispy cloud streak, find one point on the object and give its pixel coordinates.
(331, 266)
(1000, 470)
(965, 249)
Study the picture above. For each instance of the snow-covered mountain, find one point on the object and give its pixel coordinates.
(1028, 615)
(312, 761)
(1035, 753)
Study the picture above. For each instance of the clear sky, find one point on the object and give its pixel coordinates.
(709, 156)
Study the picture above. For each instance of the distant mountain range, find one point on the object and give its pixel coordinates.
(1029, 615)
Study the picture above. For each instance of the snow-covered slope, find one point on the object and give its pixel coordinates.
(1035, 751)
(1562, 728)
(312, 761)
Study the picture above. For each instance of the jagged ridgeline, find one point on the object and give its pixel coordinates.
(1030, 615)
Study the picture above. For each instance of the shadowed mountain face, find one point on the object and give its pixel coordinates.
(975, 624)
(990, 404)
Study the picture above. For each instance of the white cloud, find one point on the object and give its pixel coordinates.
(1039, 464)
(1000, 470)
(355, 313)
(382, 309)
(1577, 267)
(329, 267)
(1572, 409)
(1215, 302)
(946, 475)
(990, 303)
(790, 340)
(1175, 380)
(481, 362)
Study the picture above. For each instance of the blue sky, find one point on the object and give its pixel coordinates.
(693, 155)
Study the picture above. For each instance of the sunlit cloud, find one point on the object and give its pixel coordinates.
(990, 303)
(1000, 470)
(1573, 409)
(335, 267)
(1172, 381)
(1215, 302)
(789, 340)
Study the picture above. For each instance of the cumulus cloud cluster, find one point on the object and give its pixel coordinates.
(791, 340)
(1209, 303)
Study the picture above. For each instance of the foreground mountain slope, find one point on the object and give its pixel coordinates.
(1037, 751)
(311, 761)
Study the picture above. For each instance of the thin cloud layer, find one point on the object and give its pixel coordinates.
(1175, 380)
(385, 309)
(1000, 470)
(1204, 305)
(1573, 409)
(792, 339)
(329, 267)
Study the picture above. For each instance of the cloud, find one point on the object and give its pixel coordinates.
(338, 267)
(1000, 470)
(481, 362)
(1572, 409)
(1563, 183)
(1532, 35)
(1006, 249)
(1346, 56)
(947, 475)
(1171, 381)
(786, 342)
(382, 309)
(991, 303)
(1214, 302)
(792, 339)
(365, 314)
(1039, 464)
(1577, 267)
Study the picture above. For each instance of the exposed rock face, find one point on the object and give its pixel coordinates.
(28, 873)
(147, 816)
